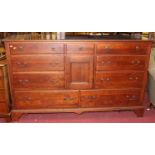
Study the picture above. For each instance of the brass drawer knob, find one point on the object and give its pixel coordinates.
(137, 47)
(106, 47)
(14, 48)
(80, 48)
(53, 49)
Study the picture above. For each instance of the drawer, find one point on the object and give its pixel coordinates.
(122, 48)
(120, 63)
(50, 80)
(36, 48)
(118, 80)
(46, 99)
(54, 62)
(80, 48)
(109, 98)
(2, 95)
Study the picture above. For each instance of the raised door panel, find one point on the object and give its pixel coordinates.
(106, 63)
(122, 48)
(109, 98)
(54, 62)
(51, 80)
(119, 80)
(46, 99)
(79, 70)
(36, 48)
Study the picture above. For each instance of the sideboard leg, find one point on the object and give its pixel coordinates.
(15, 116)
(8, 119)
(139, 112)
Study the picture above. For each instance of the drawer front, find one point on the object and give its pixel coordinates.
(36, 48)
(122, 48)
(120, 63)
(2, 95)
(109, 98)
(54, 62)
(118, 80)
(46, 99)
(80, 48)
(54, 80)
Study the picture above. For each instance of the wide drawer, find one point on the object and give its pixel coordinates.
(2, 95)
(122, 48)
(109, 98)
(54, 62)
(120, 63)
(118, 80)
(36, 48)
(80, 48)
(50, 80)
(46, 99)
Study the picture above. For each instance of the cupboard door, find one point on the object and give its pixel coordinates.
(79, 70)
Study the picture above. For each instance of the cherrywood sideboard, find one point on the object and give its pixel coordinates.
(77, 75)
(4, 91)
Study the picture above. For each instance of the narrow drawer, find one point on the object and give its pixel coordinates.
(51, 80)
(118, 80)
(2, 95)
(122, 48)
(54, 62)
(109, 98)
(80, 48)
(46, 99)
(36, 48)
(120, 63)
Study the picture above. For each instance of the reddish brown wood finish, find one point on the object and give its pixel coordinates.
(119, 80)
(110, 63)
(80, 48)
(46, 99)
(4, 92)
(50, 80)
(48, 62)
(109, 98)
(120, 48)
(107, 75)
(79, 70)
(35, 48)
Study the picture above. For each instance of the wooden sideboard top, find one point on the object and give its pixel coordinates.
(72, 39)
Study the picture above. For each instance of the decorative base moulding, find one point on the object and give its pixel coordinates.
(16, 114)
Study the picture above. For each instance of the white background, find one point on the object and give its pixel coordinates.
(77, 16)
